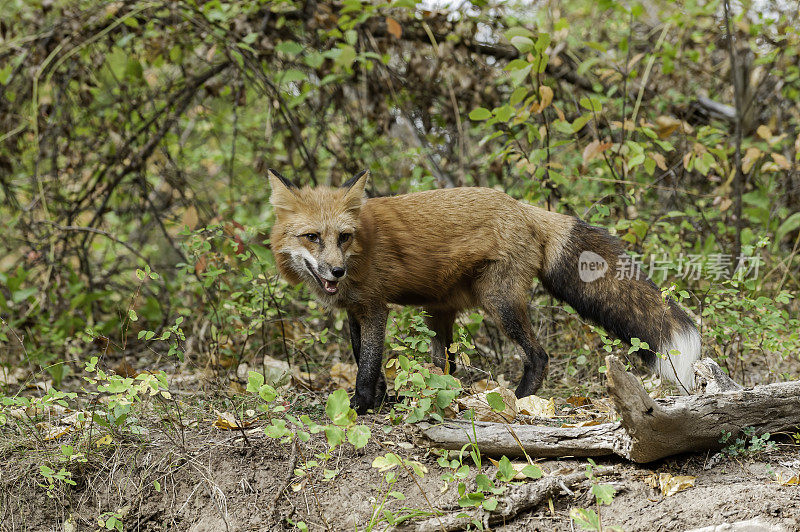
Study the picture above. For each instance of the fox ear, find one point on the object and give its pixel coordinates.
(354, 195)
(283, 190)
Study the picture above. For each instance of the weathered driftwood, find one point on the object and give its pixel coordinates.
(537, 441)
(650, 429)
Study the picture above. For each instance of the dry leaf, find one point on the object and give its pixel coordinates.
(536, 406)
(483, 412)
(578, 401)
(593, 149)
(394, 28)
(764, 132)
(666, 125)
(586, 423)
(483, 385)
(546, 97)
(228, 421)
(661, 162)
(750, 157)
(781, 161)
(53, 433)
(669, 485)
(794, 480)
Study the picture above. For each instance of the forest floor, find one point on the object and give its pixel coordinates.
(191, 475)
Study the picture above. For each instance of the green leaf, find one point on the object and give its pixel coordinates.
(604, 493)
(386, 462)
(288, 47)
(480, 113)
(532, 471)
(790, 224)
(591, 103)
(523, 44)
(338, 408)
(254, 381)
(495, 401)
(505, 471)
(586, 519)
(359, 435)
(335, 436)
(5, 74)
(267, 393)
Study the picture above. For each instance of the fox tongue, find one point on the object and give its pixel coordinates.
(330, 286)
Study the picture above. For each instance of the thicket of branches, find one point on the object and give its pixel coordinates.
(121, 124)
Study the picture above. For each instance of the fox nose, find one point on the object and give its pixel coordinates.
(337, 272)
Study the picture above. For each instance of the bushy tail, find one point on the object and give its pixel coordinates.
(589, 269)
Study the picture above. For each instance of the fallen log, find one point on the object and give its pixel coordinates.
(649, 429)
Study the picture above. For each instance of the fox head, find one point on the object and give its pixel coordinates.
(314, 230)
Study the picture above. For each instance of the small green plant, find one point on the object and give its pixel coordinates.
(747, 443)
(587, 518)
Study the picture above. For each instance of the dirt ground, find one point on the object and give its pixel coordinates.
(212, 480)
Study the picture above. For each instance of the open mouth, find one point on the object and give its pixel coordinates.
(330, 287)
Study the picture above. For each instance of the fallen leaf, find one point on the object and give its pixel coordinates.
(228, 421)
(750, 157)
(794, 480)
(394, 28)
(105, 440)
(578, 401)
(536, 406)
(53, 433)
(669, 485)
(479, 403)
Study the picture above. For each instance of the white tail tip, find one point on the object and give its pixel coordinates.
(679, 369)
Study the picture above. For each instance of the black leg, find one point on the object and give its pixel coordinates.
(355, 334)
(517, 326)
(441, 322)
(370, 383)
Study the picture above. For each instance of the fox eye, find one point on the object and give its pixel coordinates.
(312, 237)
(344, 237)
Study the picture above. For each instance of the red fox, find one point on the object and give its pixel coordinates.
(451, 249)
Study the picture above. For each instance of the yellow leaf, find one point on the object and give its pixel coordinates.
(794, 480)
(750, 157)
(781, 161)
(105, 440)
(536, 406)
(394, 28)
(546, 96)
(764, 132)
(227, 421)
(669, 485)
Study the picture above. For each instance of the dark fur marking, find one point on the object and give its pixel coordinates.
(353, 180)
(285, 180)
(628, 307)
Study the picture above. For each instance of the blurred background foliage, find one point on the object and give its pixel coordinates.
(135, 136)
